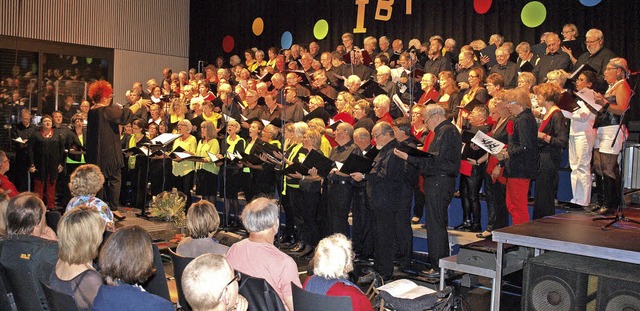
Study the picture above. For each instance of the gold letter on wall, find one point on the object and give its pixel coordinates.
(362, 4)
(386, 5)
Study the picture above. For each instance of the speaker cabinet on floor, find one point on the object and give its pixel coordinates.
(559, 282)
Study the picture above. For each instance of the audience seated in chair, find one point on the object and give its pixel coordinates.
(209, 283)
(28, 252)
(80, 232)
(332, 262)
(202, 224)
(126, 260)
(257, 256)
(85, 183)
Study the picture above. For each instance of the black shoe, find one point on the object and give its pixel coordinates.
(117, 215)
(431, 273)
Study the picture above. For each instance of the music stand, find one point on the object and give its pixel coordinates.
(153, 147)
(619, 215)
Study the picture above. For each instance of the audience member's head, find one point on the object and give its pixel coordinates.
(260, 215)
(202, 220)
(209, 283)
(80, 234)
(334, 257)
(25, 214)
(86, 180)
(127, 256)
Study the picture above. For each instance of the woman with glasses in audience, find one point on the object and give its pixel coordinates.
(126, 262)
(79, 236)
(610, 136)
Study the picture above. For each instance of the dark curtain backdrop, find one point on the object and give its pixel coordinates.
(211, 20)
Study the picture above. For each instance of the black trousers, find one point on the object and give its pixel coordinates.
(385, 246)
(496, 195)
(363, 224)
(110, 193)
(470, 194)
(185, 184)
(546, 185)
(404, 233)
(438, 196)
(310, 229)
(339, 204)
(296, 201)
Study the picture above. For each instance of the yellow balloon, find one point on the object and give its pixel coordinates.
(321, 29)
(258, 26)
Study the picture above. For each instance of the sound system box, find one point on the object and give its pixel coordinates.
(557, 282)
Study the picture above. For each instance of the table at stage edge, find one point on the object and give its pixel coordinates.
(568, 233)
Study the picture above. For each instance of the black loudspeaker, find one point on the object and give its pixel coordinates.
(557, 281)
(616, 294)
(552, 282)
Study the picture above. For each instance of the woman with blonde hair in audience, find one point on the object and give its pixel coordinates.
(79, 236)
(449, 97)
(553, 135)
(207, 172)
(126, 262)
(332, 262)
(85, 183)
(202, 224)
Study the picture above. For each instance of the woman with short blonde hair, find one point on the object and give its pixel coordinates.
(80, 234)
(202, 224)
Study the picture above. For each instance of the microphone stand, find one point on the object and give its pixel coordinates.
(619, 215)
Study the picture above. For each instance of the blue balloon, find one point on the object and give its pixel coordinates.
(287, 40)
(590, 2)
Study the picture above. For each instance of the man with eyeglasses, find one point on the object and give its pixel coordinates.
(206, 287)
(383, 188)
(439, 173)
(507, 69)
(597, 56)
(554, 59)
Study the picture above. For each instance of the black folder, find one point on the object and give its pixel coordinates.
(316, 159)
(356, 163)
(414, 152)
(467, 151)
(567, 102)
(526, 67)
(372, 89)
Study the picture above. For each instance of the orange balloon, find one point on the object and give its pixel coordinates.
(258, 26)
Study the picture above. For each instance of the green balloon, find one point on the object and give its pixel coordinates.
(321, 29)
(533, 14)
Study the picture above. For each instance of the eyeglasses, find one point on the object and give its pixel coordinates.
(512, 103)
(591, 41)
(610, 68)
(236, 277)
(378, 135)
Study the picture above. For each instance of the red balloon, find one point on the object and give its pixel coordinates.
(482, 6)
(228, 44)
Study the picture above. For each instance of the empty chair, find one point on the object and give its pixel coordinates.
(303, 300)
(157, 283)
(59, 301)
(179, 263)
